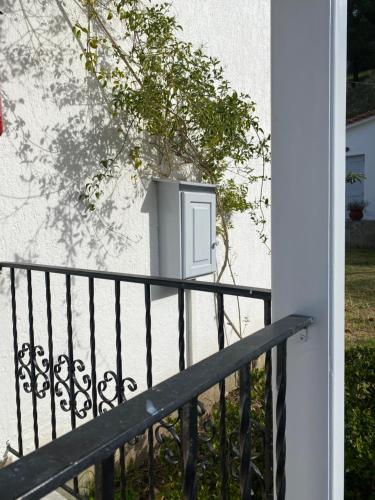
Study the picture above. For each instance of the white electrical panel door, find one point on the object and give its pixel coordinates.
(199, 233)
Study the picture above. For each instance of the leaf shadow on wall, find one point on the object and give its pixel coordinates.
(60, 129)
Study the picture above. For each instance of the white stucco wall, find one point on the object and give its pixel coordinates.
(360, 139)
(55, 133)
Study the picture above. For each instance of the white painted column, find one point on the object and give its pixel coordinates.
(308, 208)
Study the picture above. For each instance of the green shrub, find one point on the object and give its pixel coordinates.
(168, 475)
(360, 422)
(209, 469)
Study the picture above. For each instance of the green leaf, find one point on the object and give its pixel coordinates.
(93, 43)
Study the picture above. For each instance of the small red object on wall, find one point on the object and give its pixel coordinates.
(1, 118)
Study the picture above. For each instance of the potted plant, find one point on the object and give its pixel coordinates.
(356, 209)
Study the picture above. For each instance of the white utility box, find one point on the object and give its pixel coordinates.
(187, 228)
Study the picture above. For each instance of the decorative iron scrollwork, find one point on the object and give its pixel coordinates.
(112, 390)
(206, 435)
(74, 392)
(234, 454)
(72, 384)
(31, 372)
(167, 435)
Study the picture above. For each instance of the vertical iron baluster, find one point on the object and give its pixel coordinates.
(71, 360)
(189, 414)
(15, 351)
(120, 388)
(92, 348)
(181, 328)
(280, 421)
(267, 312)
(50, 354)
(104, 479)
(181, 364)
(268, 417)
(118, 342)
(70, 349)
(222, 404)
(245, 433)
(148, 335)
(149, 385)
(32, 356)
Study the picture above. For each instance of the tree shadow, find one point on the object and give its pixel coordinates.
(60, 129)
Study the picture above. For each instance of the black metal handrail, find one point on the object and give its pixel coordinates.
(200, 286)
(81, 390)
(96, 441)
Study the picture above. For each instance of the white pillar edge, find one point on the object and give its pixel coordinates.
(308, 57)
(337, 248)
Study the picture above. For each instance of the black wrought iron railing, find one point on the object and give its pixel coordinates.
(96, 442)
(79, 391)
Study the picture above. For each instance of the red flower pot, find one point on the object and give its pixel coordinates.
(356, 214)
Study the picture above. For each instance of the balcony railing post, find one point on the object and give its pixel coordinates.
(268, 413)
(150, 432)
(71, 368)
(104, 479)
(280, 421)
(222, 404)
(93, 347)
(120, 388)
(15, 353)
(189, 414)
(32, 359)
(181, 328)
(245, 433)
(267, 311)
(50, 355)
(70, 349)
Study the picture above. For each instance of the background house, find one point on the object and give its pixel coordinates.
(360, 159)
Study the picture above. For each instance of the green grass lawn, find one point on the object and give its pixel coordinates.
(359, 375)
(362, 75)
(360, 296)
